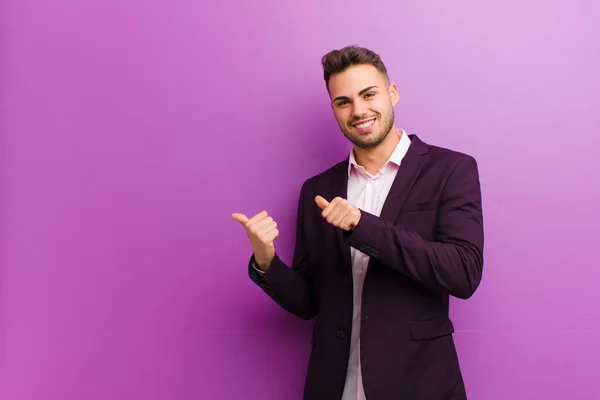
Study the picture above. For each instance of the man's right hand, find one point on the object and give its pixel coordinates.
(262, 231)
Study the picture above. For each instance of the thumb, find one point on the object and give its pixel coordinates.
(321, 202)
(241, 218)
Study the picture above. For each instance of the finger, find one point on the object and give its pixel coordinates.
(346, 223)
(258, 217)
(241, 218)
(260, 225)
(321, 202)
(265, 228)
(334, 208)
(337, 212)
(330, 207)
(339, 217)
(270, 236)
(349, 222)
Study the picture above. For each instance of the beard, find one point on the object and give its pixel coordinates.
(386, 122)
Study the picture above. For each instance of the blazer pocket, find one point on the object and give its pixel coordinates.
(422, 206)
(431, 328)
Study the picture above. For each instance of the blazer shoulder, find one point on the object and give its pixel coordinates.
(450, 156)
(322, 179)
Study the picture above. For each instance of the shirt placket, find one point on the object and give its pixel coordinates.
(370, 206)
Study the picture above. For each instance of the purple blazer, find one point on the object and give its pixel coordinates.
(427, 245)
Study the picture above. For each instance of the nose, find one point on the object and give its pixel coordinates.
(359, 108)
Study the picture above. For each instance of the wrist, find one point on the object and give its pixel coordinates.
(262, 265)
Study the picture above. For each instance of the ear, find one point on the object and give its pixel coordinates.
(394, 95)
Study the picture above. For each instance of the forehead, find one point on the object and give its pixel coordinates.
(354, 79)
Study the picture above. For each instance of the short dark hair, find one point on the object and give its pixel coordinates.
(337, 61)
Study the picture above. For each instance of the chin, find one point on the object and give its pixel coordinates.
(366, 145)
(371, 141)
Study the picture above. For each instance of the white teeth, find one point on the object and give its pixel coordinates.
(366, 124)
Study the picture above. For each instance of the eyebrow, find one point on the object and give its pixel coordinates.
(359, 93)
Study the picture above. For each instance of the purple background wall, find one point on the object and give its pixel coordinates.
(131, 130)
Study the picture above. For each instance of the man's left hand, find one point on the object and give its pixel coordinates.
(339, 212)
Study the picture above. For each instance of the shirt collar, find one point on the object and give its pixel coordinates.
(396, 156)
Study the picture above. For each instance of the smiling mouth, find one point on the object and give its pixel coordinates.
(365, 124)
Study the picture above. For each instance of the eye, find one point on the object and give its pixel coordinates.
(342, 103)
(368, 95)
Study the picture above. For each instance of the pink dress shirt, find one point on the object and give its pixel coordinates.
(367, 192)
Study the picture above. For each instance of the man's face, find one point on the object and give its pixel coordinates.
(362, 103)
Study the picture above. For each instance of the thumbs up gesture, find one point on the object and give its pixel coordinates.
(339, 212)
(262, 232)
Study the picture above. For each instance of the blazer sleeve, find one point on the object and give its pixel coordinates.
(451, 264)
(291, 288)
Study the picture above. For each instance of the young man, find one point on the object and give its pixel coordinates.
(383, 239)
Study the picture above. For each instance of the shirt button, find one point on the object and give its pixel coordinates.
(341, 334)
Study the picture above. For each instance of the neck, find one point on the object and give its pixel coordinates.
(373, 159)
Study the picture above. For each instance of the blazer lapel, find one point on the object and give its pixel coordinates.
(407, 174)
(411, 166)
(339, 187)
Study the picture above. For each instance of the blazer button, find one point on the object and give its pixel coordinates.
(341, 334)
